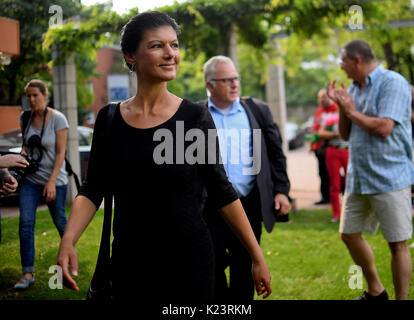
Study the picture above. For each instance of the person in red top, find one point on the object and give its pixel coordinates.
(336, 153)
(317, 147)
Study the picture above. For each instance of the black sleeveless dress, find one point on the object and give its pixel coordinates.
(162, 248)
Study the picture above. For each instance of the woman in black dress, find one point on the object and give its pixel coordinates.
(158, 162)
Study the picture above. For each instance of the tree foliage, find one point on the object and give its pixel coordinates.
(33, 18)
(316, 30)
(85, 36)
(189, 82)
(36, 39)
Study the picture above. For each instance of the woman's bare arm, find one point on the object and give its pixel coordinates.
(81, 214)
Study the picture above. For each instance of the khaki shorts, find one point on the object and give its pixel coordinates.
(390, 210)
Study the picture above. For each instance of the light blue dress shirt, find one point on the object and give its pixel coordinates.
(235, 141)
(376, 164)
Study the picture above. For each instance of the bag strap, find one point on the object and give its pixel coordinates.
(109, 196)
(27, 118)
(69, 170)
(104, 256)
(25, 121)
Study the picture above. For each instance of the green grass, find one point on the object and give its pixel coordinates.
(47, 243)
(309, 261)
(306, 257)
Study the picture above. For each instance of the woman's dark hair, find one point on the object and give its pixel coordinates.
(133, 31)
(35, 83)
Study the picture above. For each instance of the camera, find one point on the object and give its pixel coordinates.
(19, 172)
(35, 147)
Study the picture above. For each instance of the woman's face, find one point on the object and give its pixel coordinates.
(36, 100)
(158, 54)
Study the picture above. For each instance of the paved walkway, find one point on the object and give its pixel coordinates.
(302, 168)
(303, 174)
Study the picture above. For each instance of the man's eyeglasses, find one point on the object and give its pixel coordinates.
(227, 81)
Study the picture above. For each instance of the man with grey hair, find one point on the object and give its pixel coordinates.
(375, 115)
(263, 193)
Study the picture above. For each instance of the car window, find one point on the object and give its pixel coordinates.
(85, 136)
(11, 139)
(291, 129)
(89, 137)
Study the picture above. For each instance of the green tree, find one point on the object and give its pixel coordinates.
(33, 18)
(100, 25)
(206, 24)
(189, 82)
(97, 26)
(253, 65)
(391, 45)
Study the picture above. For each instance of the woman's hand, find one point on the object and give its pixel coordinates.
(13, 160)
(49, 191)
(66, 257)
(81, 214)
(262, 278)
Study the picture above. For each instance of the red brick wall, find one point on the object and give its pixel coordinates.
(104, 60)
(9, 36)
(9, 118)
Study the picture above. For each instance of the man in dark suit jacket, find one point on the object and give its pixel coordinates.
(245, 127)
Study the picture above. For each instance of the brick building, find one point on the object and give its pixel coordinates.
(9, 48)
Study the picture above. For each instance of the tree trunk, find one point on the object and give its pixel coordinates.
(64, 96)
(275, 97)
(410, 69)
(389, 56)
(232, 45)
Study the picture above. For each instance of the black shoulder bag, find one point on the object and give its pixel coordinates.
(100, 288)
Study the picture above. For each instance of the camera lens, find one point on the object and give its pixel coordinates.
(17, 173)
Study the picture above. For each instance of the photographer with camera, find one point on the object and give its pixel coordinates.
(44, 146)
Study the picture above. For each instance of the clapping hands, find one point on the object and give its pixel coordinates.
(341, 97)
